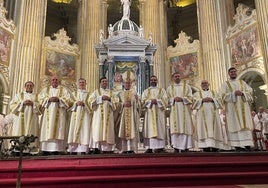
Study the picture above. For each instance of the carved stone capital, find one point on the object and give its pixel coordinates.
(101, 60)
(150, 60)
(142, 59)
(110, 58)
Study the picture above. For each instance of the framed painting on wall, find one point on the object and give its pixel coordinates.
(5, 46)
(60, 64)
(186, 65)
(244, 47)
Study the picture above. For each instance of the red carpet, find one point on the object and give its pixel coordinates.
(139, 170)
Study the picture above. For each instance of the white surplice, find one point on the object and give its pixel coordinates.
(103, 132)
(80, 123)
(154, 129)
(238, 114)
(54, 119)
(181, 125)
(208, 123)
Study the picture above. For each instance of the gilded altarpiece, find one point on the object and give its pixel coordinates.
(184, 58)
(243, 40)
(245, 54)
(60, 58)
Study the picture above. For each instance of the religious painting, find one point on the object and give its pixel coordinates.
(186, 65)
(244, 47)
(125, 71)
(5, 46)
(60, 64)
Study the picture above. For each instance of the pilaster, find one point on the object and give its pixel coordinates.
(93, 15)
(30, 31)
(110, 62)
(153, 19)
(262, 16)
(142, 78)
(212, 22)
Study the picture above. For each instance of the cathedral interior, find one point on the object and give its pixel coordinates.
(179, 17)
(210, 25)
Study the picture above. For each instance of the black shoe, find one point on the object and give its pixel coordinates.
(71, 153)
(149, 151)
(239, 149)
(160, 150)
(206, 149)
(108, 152)
(96, 151)
(131, 152)
(45, 153)
(247, 148)
(176, 150)
(55, 153)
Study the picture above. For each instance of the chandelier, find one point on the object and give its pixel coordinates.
(62, 1)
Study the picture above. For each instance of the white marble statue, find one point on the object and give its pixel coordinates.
(101, 36)
(110, 30)
(141, 32)
(126, 8)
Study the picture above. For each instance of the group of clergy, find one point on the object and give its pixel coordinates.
(108, 120)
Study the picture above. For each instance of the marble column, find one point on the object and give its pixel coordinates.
(213, 22)
(142, 75)
(110, 62)
(101, 67)
(262, 16)
(151, 68)
(27, 55)
(153, 19)
(93, 15)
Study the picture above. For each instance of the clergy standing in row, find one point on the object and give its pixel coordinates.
(25, 106)
(129, 120)
(103, 102)
(154, 100)
(54, 100)
(80, 124)
(208, 123)
(181, 125)
(237, 98)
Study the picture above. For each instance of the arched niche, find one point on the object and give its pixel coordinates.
(254, 77)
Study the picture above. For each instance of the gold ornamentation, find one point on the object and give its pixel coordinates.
(62, 1)
(127, 117)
